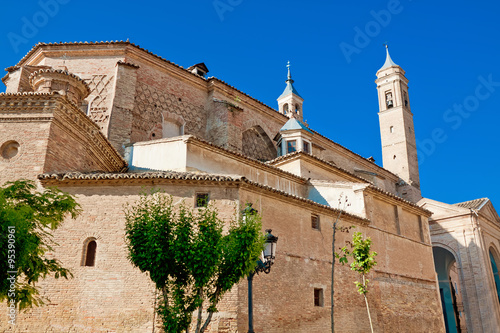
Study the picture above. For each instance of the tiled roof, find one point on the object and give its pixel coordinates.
(298, 153)
(232, 152)
(135, 175)
(295, 124)
(473, 204)
(174, 175)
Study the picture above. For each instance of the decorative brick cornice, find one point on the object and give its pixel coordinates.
(129, 64)
(60, 72)
(57, 108)
(90, 134)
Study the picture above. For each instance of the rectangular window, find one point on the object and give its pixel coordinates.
(315, 221)
(291, 146)
(307, 147)
(318, 297)
(201, 200)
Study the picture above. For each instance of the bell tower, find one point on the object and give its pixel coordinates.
(290, 102)
(399, 151)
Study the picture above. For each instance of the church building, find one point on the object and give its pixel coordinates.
(103, 121)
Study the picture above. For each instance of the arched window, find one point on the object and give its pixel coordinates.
(89, 251)
(297, 108)
(496, 275)
(285, 108)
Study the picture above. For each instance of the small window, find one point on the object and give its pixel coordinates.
(9, 149)
(291, 146)
(307, 147)
(315, 221)
(90, 253)
(391, 129)
(318, 297)
(201, 200)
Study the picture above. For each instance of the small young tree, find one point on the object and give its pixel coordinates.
(188, 257)
(26, 219)
(343, 203)
(363, 262)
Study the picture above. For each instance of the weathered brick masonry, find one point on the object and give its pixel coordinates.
(185, 134)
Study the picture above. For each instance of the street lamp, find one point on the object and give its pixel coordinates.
(263, 265)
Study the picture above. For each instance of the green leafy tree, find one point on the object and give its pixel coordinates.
(363, 262)
(188, 256)
(27, 218)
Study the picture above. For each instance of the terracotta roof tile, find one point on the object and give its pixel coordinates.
(299, 153)
(262, 164)
(174, 175)
(473, 204)
(135, 175)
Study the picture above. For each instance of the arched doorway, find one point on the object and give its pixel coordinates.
(448, 273)
(494, 266)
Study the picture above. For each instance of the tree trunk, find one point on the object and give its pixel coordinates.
(367, 307)
(200, 311)
(210, 313)
(333, 274)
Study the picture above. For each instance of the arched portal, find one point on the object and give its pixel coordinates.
(494, 266)
(448, 273)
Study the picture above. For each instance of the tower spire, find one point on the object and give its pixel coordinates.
(399, 150)
(290, 102)
(289, 78)
(388, 61)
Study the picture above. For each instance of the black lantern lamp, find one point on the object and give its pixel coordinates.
(268, 254)
(263, 265)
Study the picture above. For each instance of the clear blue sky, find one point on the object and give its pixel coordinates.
(447, 48)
